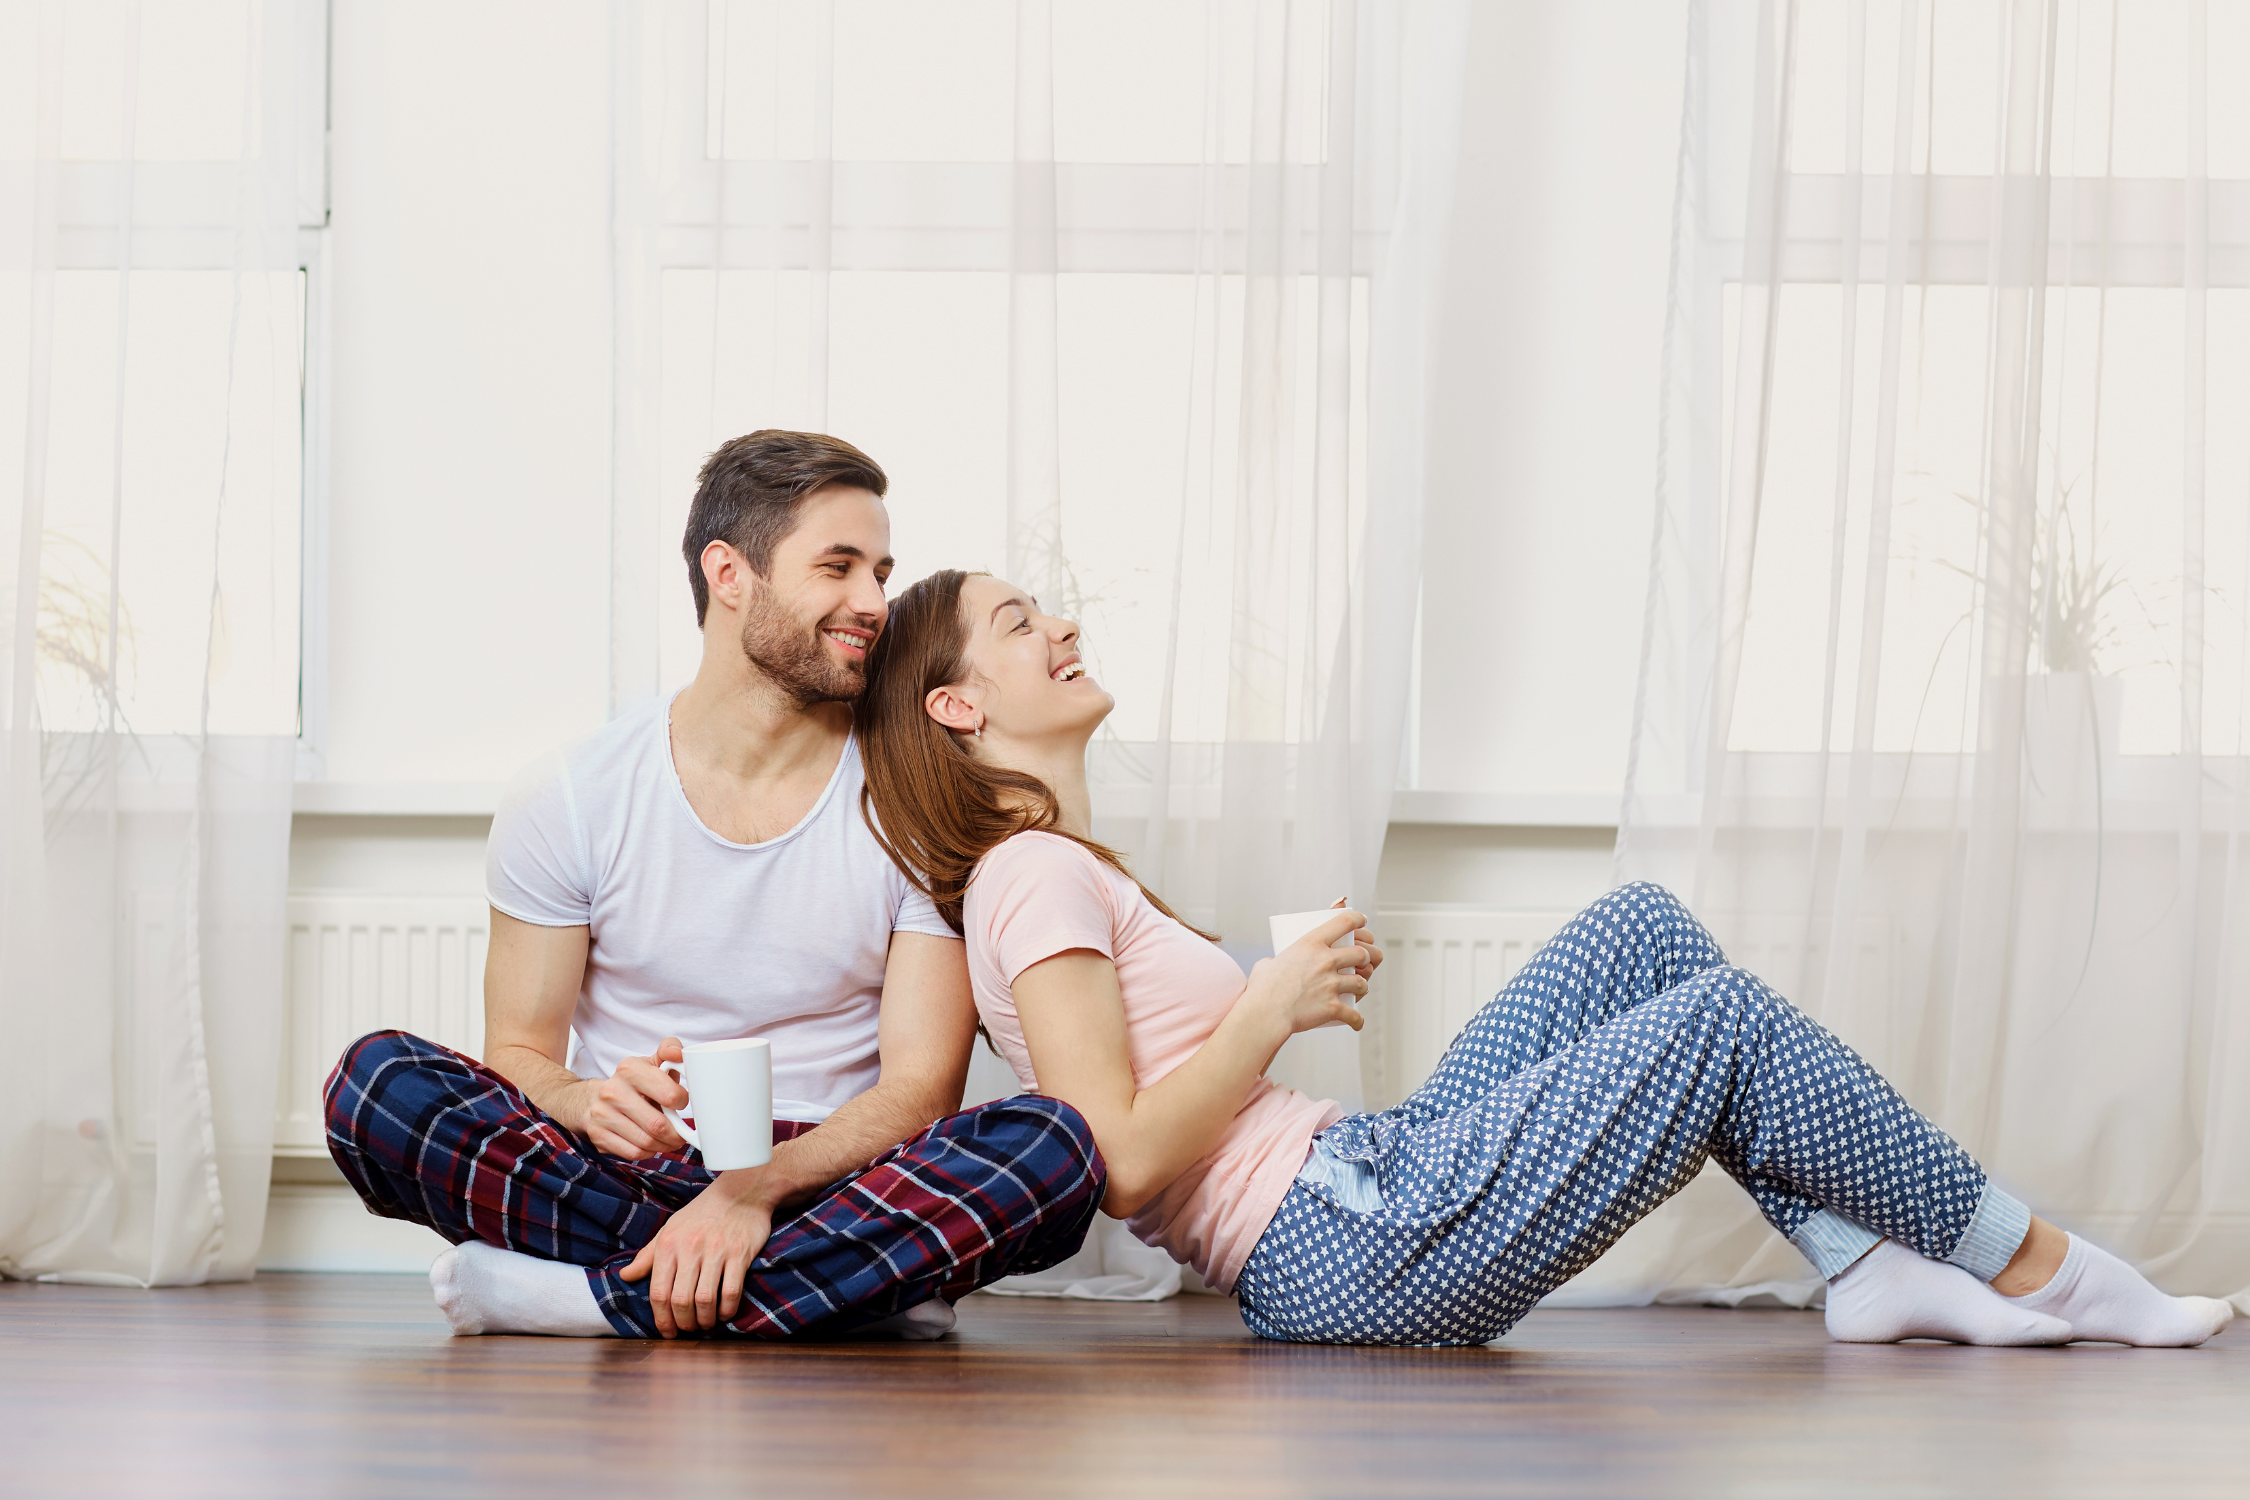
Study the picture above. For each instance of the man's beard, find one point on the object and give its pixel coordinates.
(796, 659)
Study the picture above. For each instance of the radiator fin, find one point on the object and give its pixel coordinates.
(359, 963)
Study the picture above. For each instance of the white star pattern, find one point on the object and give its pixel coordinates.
(1586, 1093)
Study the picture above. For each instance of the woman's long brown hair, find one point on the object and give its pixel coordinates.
(935, 808)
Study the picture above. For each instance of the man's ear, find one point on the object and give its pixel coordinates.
(726, 574)
(952, 711)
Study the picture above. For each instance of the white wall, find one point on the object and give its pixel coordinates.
(1545, 424)
(468, 573)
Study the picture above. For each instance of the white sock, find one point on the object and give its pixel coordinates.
(924, 1320)
(484, 1289)
(2107, 1301)
(1891, 1293)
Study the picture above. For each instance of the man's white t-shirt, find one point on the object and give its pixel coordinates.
(696, 936)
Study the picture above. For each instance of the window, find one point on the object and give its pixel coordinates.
(176, 455)
(2138, 334)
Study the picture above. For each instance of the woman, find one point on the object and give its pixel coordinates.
(1586, 1093)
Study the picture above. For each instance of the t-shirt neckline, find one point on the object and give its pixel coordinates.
(679, 790)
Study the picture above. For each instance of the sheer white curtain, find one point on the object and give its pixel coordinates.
(151, 315)
(1941, 720)
(1132, 302)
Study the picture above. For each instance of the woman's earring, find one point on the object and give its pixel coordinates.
(980, 729)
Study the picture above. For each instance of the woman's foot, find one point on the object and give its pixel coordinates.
(2107, 1301)
(1891, 1293)
(923, 1321)
(484, 1289)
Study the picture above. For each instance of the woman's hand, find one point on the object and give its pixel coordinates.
(1310, 984)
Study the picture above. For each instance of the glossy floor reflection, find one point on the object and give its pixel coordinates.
(349, 1385)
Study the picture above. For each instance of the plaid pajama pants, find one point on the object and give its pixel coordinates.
(430, 1136)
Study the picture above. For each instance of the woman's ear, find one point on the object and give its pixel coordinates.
(952, 711)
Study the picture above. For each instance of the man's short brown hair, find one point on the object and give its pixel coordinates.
(748, 493)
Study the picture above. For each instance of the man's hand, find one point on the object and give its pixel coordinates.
(698, 1259)
(623, 1114)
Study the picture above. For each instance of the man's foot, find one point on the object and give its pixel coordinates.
(933, 1319)
(484, 1289)
(2107, 1301)
(1891, 1293)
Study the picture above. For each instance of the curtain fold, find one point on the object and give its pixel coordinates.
(1940, 722)
(1298, 530)
(150, 429)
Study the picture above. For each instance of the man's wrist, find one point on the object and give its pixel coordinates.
(565, 1103)
(759, 1187)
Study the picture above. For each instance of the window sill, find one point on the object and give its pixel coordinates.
(400, 799)
(479, 799)
(1507, 809)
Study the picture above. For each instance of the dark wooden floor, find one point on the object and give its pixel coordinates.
(348, 1385)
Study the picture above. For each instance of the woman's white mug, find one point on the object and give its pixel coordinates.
(1290, 926)
(730, 1096)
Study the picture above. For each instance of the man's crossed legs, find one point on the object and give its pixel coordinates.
(430, 1136)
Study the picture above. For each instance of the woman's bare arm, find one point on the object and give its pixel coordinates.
(1074, 1023)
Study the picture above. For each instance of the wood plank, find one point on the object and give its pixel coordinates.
(348, 1385)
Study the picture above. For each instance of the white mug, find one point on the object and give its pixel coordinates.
(730, 1090)
(1290, 926)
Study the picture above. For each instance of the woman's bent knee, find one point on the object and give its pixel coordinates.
(1738, 992)
(1649, 900)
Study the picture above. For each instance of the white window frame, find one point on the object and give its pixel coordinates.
(197, 234)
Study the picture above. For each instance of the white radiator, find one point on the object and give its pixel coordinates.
(1441, 965)
(360, 963)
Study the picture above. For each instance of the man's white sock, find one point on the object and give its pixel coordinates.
(1891, 1293)
(484, 1289)
(2107, 1301)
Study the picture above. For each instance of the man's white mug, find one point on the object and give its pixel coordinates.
(730, 1095)
(1290, 926)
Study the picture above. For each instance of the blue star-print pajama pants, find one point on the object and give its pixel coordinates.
(1589, 1091)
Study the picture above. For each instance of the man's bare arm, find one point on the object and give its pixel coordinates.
(532, 975)
(927, 1025)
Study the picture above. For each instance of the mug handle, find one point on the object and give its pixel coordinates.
(687, 1131)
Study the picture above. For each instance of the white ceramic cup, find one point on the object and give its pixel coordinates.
(1290, 926)
(730, 1096)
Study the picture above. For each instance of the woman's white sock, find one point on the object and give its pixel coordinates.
(1891, 1293)
(2107, 1301)
(923, 1321)
(484, 1289)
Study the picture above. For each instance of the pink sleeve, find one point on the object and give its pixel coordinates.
(1040, 896)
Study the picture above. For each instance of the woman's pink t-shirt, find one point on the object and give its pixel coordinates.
(1038, 895)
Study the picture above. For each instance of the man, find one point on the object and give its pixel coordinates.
(701, 868)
